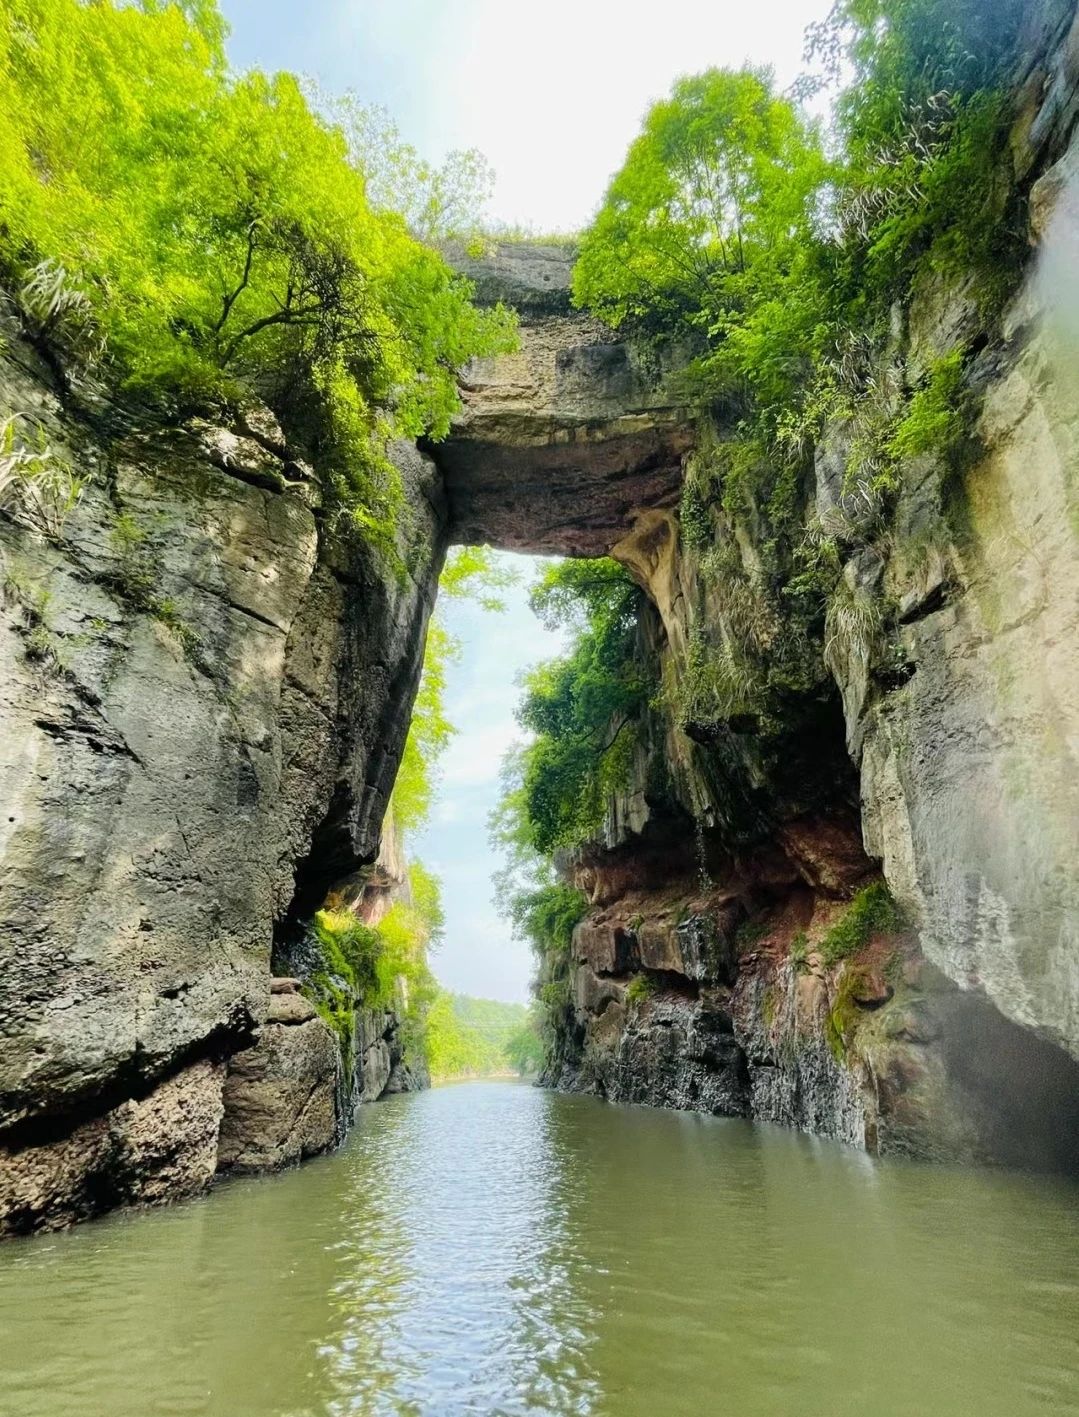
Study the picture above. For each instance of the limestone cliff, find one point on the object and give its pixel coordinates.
(206, 682)
(206, 685)
(559, 444)
(925, 731)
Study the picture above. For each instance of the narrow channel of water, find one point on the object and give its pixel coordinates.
(496, 1249)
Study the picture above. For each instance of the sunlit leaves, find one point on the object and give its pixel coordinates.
(438, 202)
(220, 238)
(580, 710)
(470, 573)
(717, 188)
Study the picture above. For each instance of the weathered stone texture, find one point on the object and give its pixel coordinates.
(970, 771)
(204, 693)
(559, 444)
(280, 1095)
(962, 731)
(160, 1147)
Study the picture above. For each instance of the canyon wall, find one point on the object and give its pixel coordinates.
(206, 682)
(205, 689)
(739, 953)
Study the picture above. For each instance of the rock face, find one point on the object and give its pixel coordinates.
(204, 692)
(954, 734)
(558, 444)
(718, 982)
(280, 1096)
(205, 685)
(158, 1147)
(970, 770)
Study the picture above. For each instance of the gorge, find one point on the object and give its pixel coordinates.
(850, 906)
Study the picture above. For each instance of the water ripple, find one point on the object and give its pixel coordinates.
(493, 1249)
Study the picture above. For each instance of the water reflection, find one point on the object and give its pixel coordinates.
(494, 1249)
(455, 1291)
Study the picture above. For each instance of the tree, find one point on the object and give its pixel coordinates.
(208, 231)
(470, 573)
(524, 1047)
(582, 708)
(439, 203)
(706, 224)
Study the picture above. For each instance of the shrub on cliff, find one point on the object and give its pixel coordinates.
(581, 710)
(923, 127)
(202, 235)
(729, 229)
(709, 227)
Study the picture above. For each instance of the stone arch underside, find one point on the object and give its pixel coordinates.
(560, 444)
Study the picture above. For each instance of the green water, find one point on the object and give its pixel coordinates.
(496, 1249)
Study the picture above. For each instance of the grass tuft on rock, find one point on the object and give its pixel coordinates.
(871, 912)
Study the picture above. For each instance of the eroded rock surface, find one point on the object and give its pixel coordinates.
(204, 692)
(558, 444)
(159, 1147)
(944, 709)
(280, 1096)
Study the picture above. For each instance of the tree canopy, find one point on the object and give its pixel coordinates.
(204, 237)
(580, 710)
(707, 225)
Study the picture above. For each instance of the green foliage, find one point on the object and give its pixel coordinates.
(728, 230)
(379, 968)
(693, 518)
(583, 712)
(350, 952)
(844, 1014)
(871, 912)
(799, 953)
(934, 421)
(581, 709)
(708, 212)
(438, 203)
(749, 933)
(524, 1047)
(546, 917)
(717, 683)
(543, 910)
(425, 892)
(924, 129)
(203, 236)
(475, 573)
(769, 1006)
(38, 487)
(852, 627)
(470, 573)
(640, 988)
(429, 734)
(478, 1037)
(452, 1050)
(469, 1037)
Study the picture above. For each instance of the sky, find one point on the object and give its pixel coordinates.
(552, 94)
(479, 956)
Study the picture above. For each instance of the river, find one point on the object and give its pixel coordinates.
(492, 1248)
